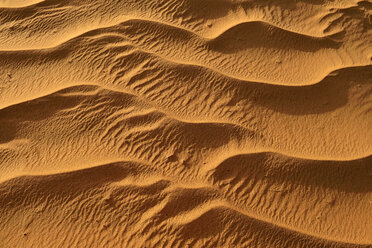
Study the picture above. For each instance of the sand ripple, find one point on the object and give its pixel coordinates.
(186, 123)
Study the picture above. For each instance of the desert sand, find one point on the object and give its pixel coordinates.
(185, 123)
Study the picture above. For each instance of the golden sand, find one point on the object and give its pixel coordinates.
(185, 123)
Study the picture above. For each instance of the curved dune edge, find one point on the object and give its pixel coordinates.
(115, 176)
(80, 92)
(208, 167)
(19, 3)
(92, 92)
(185, 123)
(215, 54)
(327, 15)
(210, 37)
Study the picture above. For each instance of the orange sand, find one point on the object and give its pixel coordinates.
(185, 123)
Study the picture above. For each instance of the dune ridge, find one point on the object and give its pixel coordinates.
(211, 16)
(105, 180)
(213, 123)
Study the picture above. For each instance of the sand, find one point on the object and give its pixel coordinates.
(185, 123)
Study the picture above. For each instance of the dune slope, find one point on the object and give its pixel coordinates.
(185, 123)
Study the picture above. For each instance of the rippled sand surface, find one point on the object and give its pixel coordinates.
(185, 123)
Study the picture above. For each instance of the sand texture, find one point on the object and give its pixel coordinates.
(185, 123)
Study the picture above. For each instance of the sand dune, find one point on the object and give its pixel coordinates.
(129, 204)
(190, 123)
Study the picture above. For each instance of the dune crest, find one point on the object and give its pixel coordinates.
(185, 123)
(18, 3)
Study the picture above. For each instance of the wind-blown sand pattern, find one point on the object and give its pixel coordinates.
(185, 123)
